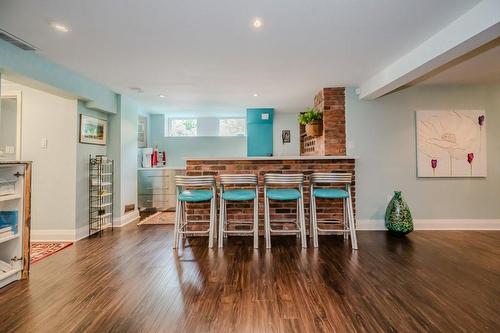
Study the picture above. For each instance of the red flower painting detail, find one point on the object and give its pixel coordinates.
(470, 158)
(434, 164)
(480, 120)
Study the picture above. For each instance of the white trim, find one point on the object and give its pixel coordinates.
(126, 219)
(436, 224)
(53, 235)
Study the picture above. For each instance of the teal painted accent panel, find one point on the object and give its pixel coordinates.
(33, 67)
(260, 132)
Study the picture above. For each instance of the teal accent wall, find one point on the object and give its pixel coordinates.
(259, 132)
(382, 133)
(32, 69)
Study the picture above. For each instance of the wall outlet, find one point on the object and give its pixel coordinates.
(10, 149)
(44, 143)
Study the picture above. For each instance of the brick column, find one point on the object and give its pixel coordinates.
(331, 102)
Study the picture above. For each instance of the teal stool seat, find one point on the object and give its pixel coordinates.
(195, 195)
(283, 194)
(238, 195)
(330, 193)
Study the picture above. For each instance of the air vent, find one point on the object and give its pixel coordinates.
(137, 89)
(4, 35)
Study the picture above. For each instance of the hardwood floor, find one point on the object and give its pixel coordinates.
(132, 281)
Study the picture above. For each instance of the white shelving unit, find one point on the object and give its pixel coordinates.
(15, 179)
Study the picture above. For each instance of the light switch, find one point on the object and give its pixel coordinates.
(265, 116)
(44, 143)
(10, 149)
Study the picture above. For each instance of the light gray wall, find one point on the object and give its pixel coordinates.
(122, 148)
(82, 166)
(179, 148)
(382, 134)
(286, 121)
(54, 118)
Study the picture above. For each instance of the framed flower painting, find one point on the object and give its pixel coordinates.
(451, 143)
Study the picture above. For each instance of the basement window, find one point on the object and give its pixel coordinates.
(232, 127)
(206, 126)
(183, 127)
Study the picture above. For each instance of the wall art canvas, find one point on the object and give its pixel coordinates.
(451, 143)
(93, 130)
(142, 132)
(285, 136)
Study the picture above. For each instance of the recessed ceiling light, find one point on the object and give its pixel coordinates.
(161, 96)
(60, 27)
(255, 95)
(257, 23)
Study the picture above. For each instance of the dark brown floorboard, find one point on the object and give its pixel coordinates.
(132, 281)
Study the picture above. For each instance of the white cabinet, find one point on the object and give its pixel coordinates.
(156, 187)
(15, 203)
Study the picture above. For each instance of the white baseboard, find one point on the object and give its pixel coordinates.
(67, 235)
(126, 219)
(73, 235)
(437, 224)
(362, 224)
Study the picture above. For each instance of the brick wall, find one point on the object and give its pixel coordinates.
(330, 101)
(327, 209)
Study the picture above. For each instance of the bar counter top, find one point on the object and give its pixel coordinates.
(272, 158)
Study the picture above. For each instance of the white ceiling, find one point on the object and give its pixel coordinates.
(205, 57)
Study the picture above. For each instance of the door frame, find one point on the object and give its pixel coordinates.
(18, 96)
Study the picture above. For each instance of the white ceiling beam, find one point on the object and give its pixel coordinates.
(473, 29)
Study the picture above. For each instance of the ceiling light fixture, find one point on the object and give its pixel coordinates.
(257, 23)
(60, 27)
(161, 96)
(255, 95)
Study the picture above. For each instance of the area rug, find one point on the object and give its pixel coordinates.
(159, 218)
(40, 250)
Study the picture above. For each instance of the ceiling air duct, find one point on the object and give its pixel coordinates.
(16, 41)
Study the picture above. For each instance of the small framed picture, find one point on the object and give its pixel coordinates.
(142, 132)
(93, 130)
(285, 136)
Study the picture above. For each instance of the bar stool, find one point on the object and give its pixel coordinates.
(332, 193)
(186, 193)
(241, 194)
(295, 193)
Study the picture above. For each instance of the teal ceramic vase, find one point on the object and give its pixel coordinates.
(398, 218)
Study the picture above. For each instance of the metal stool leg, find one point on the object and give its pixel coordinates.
(297, 216)
(314, 222)
(212, 224)
(311, 225)
(221, 221)
(303, 236)
(256, 220)
(267, 224)
(352, 227)
(346, 219)
(177, 224)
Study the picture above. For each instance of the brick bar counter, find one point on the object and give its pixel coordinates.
(327, 209)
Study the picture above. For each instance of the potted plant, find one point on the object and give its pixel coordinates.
(312, 119)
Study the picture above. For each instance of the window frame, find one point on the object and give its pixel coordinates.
(199, 121)
(169, 127)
